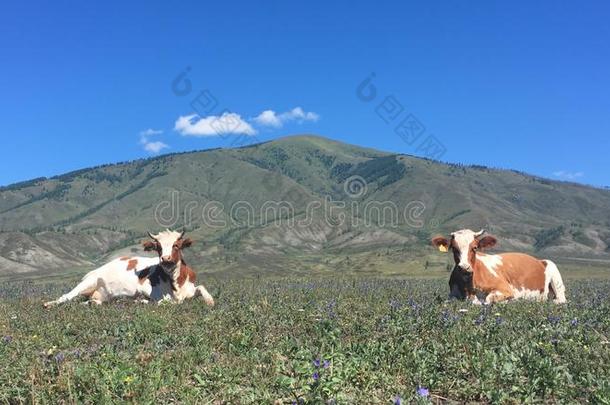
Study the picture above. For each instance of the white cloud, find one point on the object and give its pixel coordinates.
(155, 147)
(568, 175)
(152, 147)
(213, 125)
(299, 115)
(270, 118)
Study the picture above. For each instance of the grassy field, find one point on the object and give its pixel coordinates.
(338, 340)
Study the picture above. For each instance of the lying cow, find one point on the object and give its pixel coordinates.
(166, 277)
(504, 276)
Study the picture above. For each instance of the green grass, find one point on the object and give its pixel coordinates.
(381, 338)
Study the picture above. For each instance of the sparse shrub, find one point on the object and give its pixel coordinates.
(547, 237)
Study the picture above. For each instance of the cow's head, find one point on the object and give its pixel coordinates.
(464, 244)
(168, 245)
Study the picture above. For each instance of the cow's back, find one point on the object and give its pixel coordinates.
(125, 263)
(125, 276)
(523, 272)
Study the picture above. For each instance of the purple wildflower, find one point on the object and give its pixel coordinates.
(574, 322)
(59, 357)
(397, 400)
(553, 319)
(7, 339)
(316, 376)
(413, 304)
(423, 391)
(395, 304)
(326, 364)
(330, 309)
(316, 363)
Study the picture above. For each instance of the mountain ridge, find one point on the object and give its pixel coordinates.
(23, 183)
(73, 219)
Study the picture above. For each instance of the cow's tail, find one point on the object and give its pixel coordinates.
(555, 282)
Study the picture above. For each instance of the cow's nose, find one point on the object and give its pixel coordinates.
(165, 258)
(464, 266)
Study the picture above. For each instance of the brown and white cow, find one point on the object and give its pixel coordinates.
(163, 278)
(502, 276)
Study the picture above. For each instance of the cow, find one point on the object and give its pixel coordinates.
(166, 277)
(503, 276)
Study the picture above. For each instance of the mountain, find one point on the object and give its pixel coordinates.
(80, 218)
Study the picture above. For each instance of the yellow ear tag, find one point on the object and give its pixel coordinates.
(442, 248)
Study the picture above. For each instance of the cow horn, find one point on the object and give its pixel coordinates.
(480, 233)
(182, 233)
(151, 235)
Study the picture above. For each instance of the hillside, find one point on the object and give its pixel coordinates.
(76, 219)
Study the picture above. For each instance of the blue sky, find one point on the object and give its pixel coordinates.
(520, 85)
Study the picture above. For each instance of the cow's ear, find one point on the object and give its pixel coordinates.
(186, 242)
(487, 242)
(441, 243)
(149, 245)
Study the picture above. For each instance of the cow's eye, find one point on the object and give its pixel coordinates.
(475, 248)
